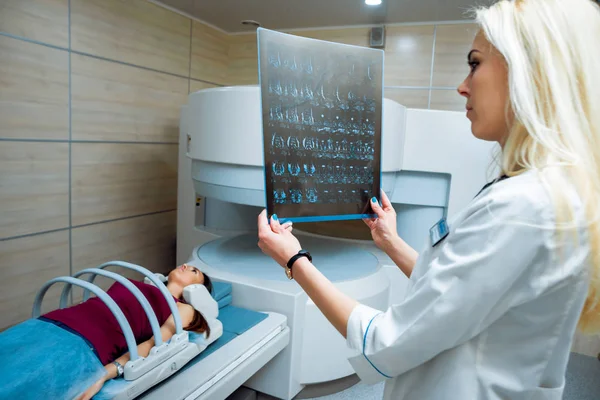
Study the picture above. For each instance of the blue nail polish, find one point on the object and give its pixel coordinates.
(274, 217)
(374, 200)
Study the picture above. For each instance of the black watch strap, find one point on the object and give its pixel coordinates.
(301, 253)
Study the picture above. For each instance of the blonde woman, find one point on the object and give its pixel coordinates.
(493, 307)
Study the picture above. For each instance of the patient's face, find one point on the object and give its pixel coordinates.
(186, 275)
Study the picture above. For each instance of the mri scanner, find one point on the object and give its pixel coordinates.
(431, 167)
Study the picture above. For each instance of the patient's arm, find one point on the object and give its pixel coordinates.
(167, 331)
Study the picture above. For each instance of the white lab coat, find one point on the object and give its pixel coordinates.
(491, 311)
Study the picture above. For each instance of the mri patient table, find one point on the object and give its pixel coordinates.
(189, 366)
(217, 374)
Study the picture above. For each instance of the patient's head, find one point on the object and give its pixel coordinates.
(186, 275)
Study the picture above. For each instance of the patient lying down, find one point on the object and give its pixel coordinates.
(71, 353)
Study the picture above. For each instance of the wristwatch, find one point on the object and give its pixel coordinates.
(120, 369)
(290, 263)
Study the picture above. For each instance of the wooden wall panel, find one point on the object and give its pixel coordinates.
(46, 21)
(122, 103)
(122, 180)
(34, 182)
(132, 31)
(25, 265)
(34, 91)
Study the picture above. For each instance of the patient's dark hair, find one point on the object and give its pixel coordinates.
(198, 323)
(208, 283)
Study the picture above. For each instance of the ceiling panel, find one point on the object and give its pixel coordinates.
(288, 14)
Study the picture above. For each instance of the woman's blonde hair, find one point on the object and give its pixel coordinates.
(553, 58)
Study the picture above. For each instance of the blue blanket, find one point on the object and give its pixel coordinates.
(39, 360)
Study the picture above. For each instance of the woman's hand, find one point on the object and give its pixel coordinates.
(385, 235)
(383, 228)
(94, 389)
(276, 240)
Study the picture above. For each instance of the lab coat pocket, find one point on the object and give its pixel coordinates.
(542, 393)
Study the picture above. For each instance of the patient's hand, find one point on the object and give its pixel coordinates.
(276, 240)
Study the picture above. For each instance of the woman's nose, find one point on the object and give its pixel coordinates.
(463, 88)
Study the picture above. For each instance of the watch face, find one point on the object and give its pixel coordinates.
(120, 368)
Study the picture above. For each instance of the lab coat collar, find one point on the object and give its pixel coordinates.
(487, 185)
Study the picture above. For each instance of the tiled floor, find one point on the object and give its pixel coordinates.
(360, 391)
(583, 378)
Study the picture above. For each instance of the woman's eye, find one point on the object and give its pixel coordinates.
(473, 65)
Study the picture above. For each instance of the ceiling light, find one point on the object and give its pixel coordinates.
(372, 2)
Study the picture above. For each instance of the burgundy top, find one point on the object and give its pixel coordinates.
(95, 322)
